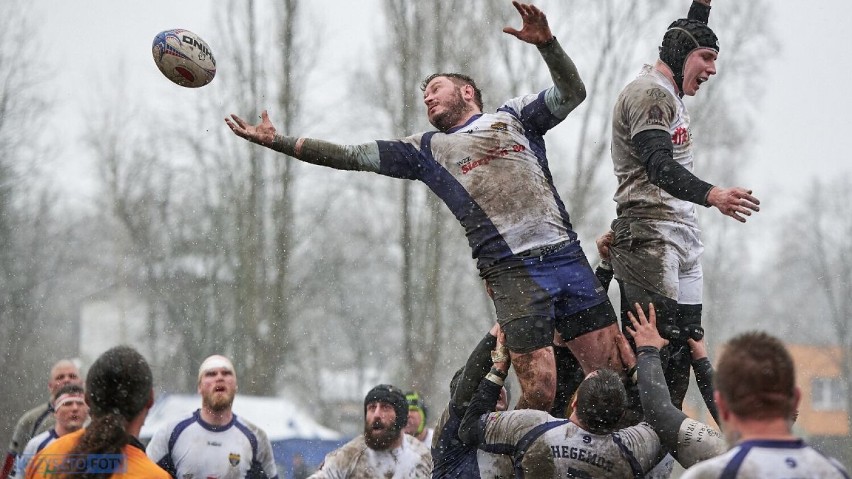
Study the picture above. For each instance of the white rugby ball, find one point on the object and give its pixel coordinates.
(184, 58)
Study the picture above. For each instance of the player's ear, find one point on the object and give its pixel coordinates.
(721, 405)
(468, 93)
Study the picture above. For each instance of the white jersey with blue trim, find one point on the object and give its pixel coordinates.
(35, 445)
(567, 450)
(492, 172)
(789, 459)
(193, 449)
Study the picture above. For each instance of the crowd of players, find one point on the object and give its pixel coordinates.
(596, 400)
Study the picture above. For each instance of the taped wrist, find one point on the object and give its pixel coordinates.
(284, 144)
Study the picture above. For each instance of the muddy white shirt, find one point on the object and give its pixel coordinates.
(493, 174)
(354, 460)
(568, 450)
(791, 459)
(649, 103)
(192, 449)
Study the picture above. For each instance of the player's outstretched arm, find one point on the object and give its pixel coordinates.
(653, 392)
(341, 157)
(569, 90)
(733, 202)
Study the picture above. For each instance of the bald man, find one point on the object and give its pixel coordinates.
(40, 418)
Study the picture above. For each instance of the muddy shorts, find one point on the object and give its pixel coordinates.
(535, 294)
(659, 256)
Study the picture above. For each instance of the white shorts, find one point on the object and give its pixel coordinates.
(659, 256)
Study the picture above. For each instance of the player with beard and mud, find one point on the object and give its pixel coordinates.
(491, 170)
(213, 441)
(383, 450)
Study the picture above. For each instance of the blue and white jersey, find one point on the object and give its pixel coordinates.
(193, 449)
(492, 172)
(453, 459)
(35, 445)
(769, 459)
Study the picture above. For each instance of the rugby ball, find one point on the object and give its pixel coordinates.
(184, 58)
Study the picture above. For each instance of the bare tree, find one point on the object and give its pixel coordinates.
(816, 279)
(29, 256)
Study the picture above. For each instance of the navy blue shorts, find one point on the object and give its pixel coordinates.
(534, 296)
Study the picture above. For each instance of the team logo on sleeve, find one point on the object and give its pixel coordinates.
(234, 459)
(680, 136)
(656, 94)
(500, 126)
(655, 116)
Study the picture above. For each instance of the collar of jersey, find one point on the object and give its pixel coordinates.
(468, 122)
(211, 427)
(774, 443)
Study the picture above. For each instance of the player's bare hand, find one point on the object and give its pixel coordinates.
(735, 202)
(603, 243)
(628, 358)
(644, 330)
(262, 133)
(535, 29)
(697, 348)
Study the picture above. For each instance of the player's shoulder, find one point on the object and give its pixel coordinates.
(647, 88)
(250, 427)
(34, 413)
(711, 468)
(416, 446)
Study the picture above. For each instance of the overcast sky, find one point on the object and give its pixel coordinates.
(97, 41)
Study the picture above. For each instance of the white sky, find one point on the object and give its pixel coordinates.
(97, 41)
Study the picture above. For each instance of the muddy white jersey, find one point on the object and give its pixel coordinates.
(354, 460)
(649, 103)
(493, 174)
(567, 450)
(192, 449)
(790, 459)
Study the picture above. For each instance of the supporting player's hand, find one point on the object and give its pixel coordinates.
(628, 358)
(262, 133)
(644, 331)
(733, 202)
(603, 243)
(535, 29)
(697, 348)
(501, 358)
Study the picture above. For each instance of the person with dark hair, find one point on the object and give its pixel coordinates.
(656, 247)
(587, 444)
(383, 450)
(119, 392)
(416, 425)
(757, 397)
(40, 418)
(492, 171)
(213, 441)
(70, 413)
(453, 459)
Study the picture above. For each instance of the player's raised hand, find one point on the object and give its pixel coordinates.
(644, 331)
(733, 202)
(262, 133)
(535, 29)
